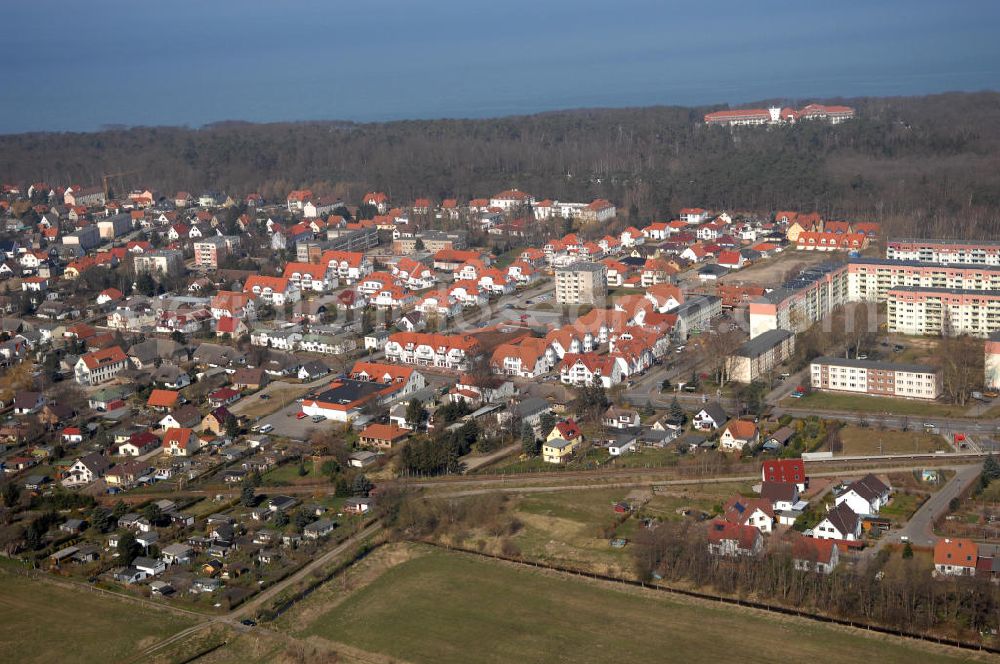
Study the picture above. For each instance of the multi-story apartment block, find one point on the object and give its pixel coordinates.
(912, 381)
(276, 291)
(872, 278)
(804, 300)
(582, 282)
(163, 261)
(209, 251)
(943, 311)
(944, 252)
(761, 354)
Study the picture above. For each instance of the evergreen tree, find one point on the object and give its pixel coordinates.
(676, 410)
(547, 422)
(128, 548)
(280, 519)
(528, 442)
(362, 485)
(247, 496)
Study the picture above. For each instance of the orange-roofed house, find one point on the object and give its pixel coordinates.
(590, 368)
(803, 223)
(657, 231)
(180, 442)
(109, 295)
(739, 434)
(276, 291)
(448, 351)
(733, 539)
(231, 304)
(382, 436)
(631, 237)
(815, 555)
(297, 199)
(313, 277)
(732, 260)
(377, 200)
(100, 366)
(955, 556)
(162, 400)
(349, 266)
(528, 358)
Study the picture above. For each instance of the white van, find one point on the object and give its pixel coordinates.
(267, 428)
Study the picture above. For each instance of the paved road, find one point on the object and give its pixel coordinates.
(920, 528)
(894, 421)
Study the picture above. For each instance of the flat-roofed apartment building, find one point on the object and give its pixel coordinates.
(583, 282)
(944, 252)
(887, 379)
(761, 354)
(992, 361)
(872, 278)
(943, 311)
(802, 301)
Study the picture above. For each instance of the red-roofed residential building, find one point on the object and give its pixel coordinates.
(733, 539)
(589, 368)
(739, 434)
(785, 470)
(100, 366)
(180, 441)
(815, 555)
(275, 291)
(438, 350)
(528, 358)
(314, 277)
(382, 436)
(955, 556)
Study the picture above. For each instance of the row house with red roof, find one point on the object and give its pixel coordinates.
(276, 291)
(632, 237)
(311, 277)
(413, 274)
(349, 266)
(591, 369)
(529, 357)
(393, 296)
(831, 241)
(439, 303)
(449, 351)
(468, 293)
(521, 273)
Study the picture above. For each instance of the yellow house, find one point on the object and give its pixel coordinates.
(557, 450)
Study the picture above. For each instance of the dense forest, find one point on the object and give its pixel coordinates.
(925, 165)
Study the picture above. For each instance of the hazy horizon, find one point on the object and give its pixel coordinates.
(188, 64)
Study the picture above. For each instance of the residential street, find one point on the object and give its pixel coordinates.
(920, 528)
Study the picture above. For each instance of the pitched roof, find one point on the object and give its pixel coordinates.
(843, 518)
(741, 429)
(162, 398)
(390, 432)
(956, 551)
(775, 491)
(784, 470)
(181, 437)
(813, 550)
(103, 357)
(868, 487)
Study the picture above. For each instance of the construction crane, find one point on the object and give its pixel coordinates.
(107, 177)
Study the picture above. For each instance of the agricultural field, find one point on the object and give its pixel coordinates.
(44, 623)
(858, 440)
(442, 608)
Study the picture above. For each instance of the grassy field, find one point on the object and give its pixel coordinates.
(45, 623)
(866, 404)
(288, 473)
(858, 440)
(446, 608)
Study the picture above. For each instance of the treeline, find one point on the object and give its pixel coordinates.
(917, 165)
(902, 596)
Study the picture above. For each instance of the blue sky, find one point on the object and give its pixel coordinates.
(79, 65)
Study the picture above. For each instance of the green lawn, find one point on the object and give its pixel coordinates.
(858, 440)
(288, 473)
(865, 404)
(446, 608)
(45, 623)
